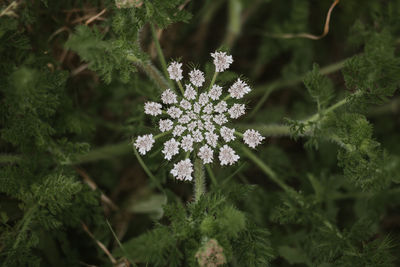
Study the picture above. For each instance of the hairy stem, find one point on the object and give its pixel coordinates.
(160, 54)
(152, 72)
(199, 179)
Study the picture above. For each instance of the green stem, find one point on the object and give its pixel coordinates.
(181, 87)
(213, 80)
(105, 152)
(161, 135)
(267, 170)
(159, 51)
(271, 87)
(211, 174)
(199, 179)
(152, 72)
(7, 158)
(147, 171)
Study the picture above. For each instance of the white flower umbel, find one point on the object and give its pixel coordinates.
(239, 89)
(171, 148)
(144, 143)
(196, 77)
(227, 155)
(227, 134)
(165, 125)
(152, 108)
(215, 92)
(175, 71)
(198, 121)
(183, 170)
(168, 97)
(252, 138)
(206, 154)
(237, 110)
(187, 143)
(190, 93)
(222, 61)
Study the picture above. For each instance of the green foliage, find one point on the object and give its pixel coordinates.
(322, 189)
(319, 87)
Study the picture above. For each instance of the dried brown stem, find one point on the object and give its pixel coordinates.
(308, 35)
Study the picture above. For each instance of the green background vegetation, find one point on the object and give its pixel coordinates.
(323, 189)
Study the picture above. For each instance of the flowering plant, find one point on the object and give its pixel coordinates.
(198, 119)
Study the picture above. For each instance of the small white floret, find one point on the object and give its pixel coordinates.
(183, 170)
(206, 154)
(209, 126)
(227, 155)
(178, 130)
(165, 125)
(185, 104)
(171, 148)
(221, 107)
(144, 143)
(190, 93)
(196, 77)
(215, 92)
(220, 119)
(187, 143)
(227, 134)
(174, 112)
(196, 108)
(211, 139)
(252, 138)
(168, 97)
(197, 136)
(184, 119)
(175, 71)
(237, 110)
(239, 89)
(203, 99)
(152, 108)
(222, 61)
(208, 109)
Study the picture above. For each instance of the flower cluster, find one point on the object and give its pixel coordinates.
(198, 120)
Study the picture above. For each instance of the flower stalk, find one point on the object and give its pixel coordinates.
(199, 179)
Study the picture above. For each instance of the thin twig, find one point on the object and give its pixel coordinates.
(106, 200)
(308, 35)
(101, 245)
(95, 17)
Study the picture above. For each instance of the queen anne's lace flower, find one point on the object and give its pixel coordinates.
(171, 148)
(168, 97)
(227, 155)
(166, 125)
(183, 170)
(237, 110)
(190, 93)
(152, 108)
(239, 89)
(227, 134)
(144, 143)
(221, 61)
(206, 154)
(198, 121)
(196, 77)
(252, 138)
(187, 143)
(175, 71)
(215, 92)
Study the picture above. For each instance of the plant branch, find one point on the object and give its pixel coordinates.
(199, 179)
(269, 88)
